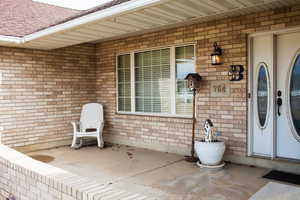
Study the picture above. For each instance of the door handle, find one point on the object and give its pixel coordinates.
(279, 103)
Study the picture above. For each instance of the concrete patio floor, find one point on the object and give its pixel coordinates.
(157, 174)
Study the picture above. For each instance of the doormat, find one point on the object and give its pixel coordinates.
(283, 176)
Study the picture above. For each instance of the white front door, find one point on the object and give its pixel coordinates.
(288, 90)
(275, 103)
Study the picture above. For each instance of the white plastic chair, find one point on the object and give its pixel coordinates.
(91, 124)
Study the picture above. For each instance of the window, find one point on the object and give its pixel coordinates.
(295, 95)
(124, 88)
(152, 82)
(184, 65)
(262, 95)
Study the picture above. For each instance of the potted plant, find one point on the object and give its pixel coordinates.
(210, 150)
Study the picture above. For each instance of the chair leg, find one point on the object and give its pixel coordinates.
(80, 143)
(100, 141)
(74, 142)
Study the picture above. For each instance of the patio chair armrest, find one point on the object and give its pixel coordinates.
(100, 125)
(75, 126)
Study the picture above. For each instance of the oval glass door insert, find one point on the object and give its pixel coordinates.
(262, 95)
(295, 95)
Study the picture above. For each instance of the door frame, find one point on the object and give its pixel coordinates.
(273, 80)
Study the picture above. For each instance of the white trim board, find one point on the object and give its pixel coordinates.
(276, 32)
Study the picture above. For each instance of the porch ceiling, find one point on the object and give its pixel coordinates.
(143, 16)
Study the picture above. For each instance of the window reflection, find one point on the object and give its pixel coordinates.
(185, 64)
(262, 95)
(295, 95)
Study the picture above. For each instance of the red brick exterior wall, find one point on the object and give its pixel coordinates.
(42, 91)
(229, 114)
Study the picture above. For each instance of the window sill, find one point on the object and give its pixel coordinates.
(155, 115)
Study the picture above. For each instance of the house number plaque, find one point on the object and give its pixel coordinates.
(220, 89)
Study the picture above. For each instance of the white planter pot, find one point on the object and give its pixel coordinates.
(210, 153)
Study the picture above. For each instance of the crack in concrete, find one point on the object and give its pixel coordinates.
(146, 171)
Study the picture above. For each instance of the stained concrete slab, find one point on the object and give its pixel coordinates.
(161, 175)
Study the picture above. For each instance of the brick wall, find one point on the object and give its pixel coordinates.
(42, 91)
(28, 179)
(228, 114)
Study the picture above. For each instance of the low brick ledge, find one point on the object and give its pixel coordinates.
(29, 179)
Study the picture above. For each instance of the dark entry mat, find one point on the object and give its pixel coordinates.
(283, 176)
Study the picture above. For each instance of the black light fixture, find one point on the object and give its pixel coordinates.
(216, 56)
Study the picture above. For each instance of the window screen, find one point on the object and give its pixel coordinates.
(124, 89)
(152, 81)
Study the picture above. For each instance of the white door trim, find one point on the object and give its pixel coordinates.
(274, 100)
(250, 97)
(276, 32)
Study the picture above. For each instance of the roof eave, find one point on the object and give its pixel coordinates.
(89, 18)
(108, 12)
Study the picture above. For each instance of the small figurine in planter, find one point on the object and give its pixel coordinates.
(208, 126)
(210, 151)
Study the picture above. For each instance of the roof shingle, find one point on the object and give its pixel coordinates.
(23, 17)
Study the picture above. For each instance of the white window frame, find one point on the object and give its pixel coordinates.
(172, 77)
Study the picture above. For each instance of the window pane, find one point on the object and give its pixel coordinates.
(185, 64)
(184, 61)
(295, 95)
(124, 89)
(262, 95)
(152, 81)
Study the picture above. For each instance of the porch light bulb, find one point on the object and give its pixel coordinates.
(216, 56)
(215, 59)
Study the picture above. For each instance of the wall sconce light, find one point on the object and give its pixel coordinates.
(216, 56)
(235, 72)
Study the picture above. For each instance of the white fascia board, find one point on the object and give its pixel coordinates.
(10, 39)
(108, 12)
